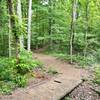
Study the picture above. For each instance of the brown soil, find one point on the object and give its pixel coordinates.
(51, 62)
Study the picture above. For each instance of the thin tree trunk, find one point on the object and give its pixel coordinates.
(19, 13)
(72, 29)
(36, 28)
(50, 24)
(29, 25)
(86, 31)
(9, 38)
(10, 4)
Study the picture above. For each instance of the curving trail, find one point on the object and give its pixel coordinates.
(57, 87)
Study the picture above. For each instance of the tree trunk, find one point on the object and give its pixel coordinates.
(86, 31)
(72, 29)
(19, 13)
(9, 38)
(10, 4)
(29, 25)
(50, 24)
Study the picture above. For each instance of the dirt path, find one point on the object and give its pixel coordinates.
(62, 67)
(54, 89)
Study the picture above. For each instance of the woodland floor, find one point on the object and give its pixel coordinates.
(47, 87)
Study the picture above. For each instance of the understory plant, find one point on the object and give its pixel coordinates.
(26, 62)
(97, 75)
(78, 59)
(14, 74)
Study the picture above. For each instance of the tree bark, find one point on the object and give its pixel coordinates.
(87, 26)
(72, 28)
(10, 4)
(50, 24)
(29, 25)
(9, 38)
(19, 13)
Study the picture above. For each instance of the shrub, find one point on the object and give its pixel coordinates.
(21, 81)
(7, 87)
(14, 74)
(7, 69)
(26, 62)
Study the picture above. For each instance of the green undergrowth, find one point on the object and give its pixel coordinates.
(97, 75)
(52, 71)
(78, 59)
(14, 75)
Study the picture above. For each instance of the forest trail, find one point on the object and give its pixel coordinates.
(51, 62)
(67, 79)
